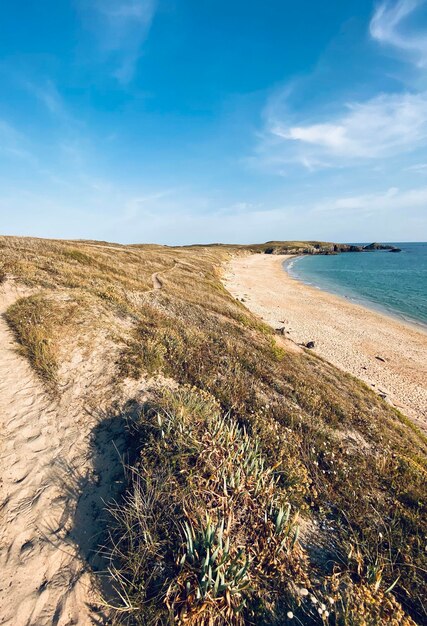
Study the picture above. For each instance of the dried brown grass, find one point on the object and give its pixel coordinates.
(369, 502)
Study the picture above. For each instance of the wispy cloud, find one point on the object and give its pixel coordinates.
(378, 128)
(121, 27)
(357, 131)
(47, 93)
(13, 144)
(419, 168)
(8, 134)
(392, 199)
(182, 217)
(16, 146)
(389, 27)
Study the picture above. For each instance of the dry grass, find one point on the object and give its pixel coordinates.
(212, 536)
(31, 320)
(297, 416)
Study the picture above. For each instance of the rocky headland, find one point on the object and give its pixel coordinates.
(278, 247)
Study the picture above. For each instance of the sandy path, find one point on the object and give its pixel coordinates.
(347, 335)
(58, 465)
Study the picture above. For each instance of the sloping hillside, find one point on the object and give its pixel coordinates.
(265, 485)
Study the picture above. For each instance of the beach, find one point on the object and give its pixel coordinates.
(387, 354)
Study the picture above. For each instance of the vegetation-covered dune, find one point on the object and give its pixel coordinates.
(266, 486)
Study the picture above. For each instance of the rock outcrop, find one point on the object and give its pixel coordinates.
(381, 246)
(323, 248)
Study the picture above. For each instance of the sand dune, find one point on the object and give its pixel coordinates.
(44, 448)
(60, 457)
(390, 356)
(59, 464)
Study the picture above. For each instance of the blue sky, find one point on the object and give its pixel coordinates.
(181, 121)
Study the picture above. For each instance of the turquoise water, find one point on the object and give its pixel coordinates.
(395, 283)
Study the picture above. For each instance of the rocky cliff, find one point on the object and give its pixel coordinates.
(277, 247)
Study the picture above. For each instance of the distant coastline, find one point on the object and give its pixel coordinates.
(323, 248)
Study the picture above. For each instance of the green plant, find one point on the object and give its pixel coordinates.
(211, 573)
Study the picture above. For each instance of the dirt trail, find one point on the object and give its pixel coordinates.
(59, 463)
(157, 282)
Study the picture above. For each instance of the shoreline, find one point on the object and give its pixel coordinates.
(386, 353)
(365, 303)
(362, 302)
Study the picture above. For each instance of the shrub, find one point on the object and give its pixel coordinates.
(230, 550)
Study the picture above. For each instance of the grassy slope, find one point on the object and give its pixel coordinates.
(251, 436)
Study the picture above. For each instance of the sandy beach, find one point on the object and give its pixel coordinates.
(389, 355)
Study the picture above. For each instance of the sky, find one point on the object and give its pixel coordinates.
(199, 121)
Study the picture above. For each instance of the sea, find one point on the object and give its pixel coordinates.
(392, 283)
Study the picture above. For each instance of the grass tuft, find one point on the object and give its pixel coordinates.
(30, 319)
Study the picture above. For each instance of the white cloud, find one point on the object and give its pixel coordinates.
(121, 27)
(381, 127)
(419, 168)
(388, 28)
(357, 132)
(393, 199)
